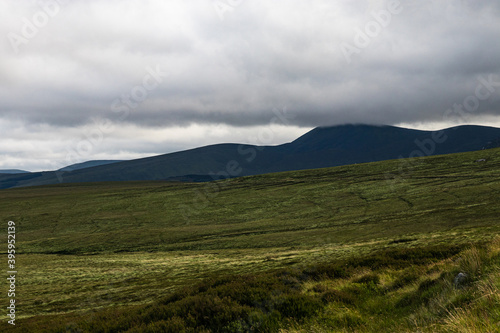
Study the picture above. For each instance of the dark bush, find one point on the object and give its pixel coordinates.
(320, 288)
(406, 301)
(461, 300)
(402, 240)
(427, 284)
(339, 296)
(178, 295)
(270, 323)
(426, 290)
(245, 293)
(327, 271)
(172, 325)
(401, 258)
(298, 306)
(350, 321)
(405, 279)
(210, 312)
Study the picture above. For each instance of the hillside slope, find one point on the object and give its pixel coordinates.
(89, 246)
(12, 171)
(354, 203)
(321, 147)
(88, 164)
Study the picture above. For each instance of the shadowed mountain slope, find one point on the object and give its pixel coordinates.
(321, 147)
(12, 171)
(88, 164)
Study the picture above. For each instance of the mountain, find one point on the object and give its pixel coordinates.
(12, 171)
(88, 164)
(321, 147)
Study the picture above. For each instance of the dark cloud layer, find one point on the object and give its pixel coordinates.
(157, 64)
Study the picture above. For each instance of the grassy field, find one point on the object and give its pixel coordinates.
(85, 249)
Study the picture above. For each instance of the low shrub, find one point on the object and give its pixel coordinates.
(370, 278)
(299, 306)
(406, 278)
(427, 284)
(470, 262)
(339, 296)
(349, 320)
(319, 288)
(460, 300)
(327, 271)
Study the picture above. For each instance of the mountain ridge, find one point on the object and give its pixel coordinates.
(12, 171)
(318, 148)
(88, 164)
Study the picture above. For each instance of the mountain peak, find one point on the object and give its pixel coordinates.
(321, 147)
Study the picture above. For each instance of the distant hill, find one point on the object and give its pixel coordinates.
(321, 147)
(13, 171)
(88, 164)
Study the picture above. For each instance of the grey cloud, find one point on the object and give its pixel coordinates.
(262, 55)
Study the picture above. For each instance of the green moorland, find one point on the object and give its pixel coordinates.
(363, 248)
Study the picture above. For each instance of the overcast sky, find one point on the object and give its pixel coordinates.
(120, 79)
